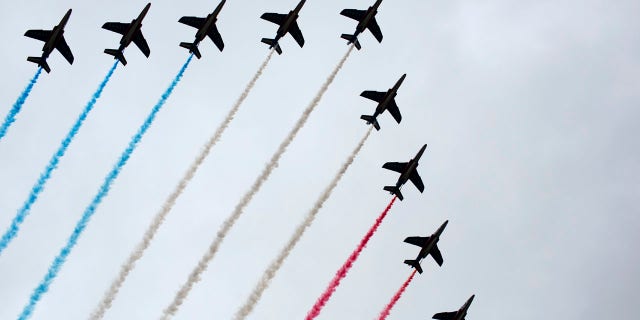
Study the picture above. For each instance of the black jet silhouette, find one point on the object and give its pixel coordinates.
(53, 39)
(130, 32)
(288, 24)
(206, 27)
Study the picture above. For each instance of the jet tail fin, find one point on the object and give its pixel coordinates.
(352, 39)
(40, 62)
(371, 120)
(117, 54)
(415, 264)
(394, 190)
(273, 43)
(192, 48)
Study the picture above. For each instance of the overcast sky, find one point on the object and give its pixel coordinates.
(529, 108)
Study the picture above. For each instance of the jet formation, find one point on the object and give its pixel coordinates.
(428, 245)
(408, 171)
(455, 315)
(288, 24)
(386, 101)
(53, 39)
(130, 32)
(206, 27)
(366, 20)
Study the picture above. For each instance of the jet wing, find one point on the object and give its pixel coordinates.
(394, 111)
(354, 14)
(395, 166)
(193, 21)
(375, 29)
(215, 36)
(437, 256)
(276, 18)
(373, 95)
(139, 40)
(417, 181)
(445, 315)
(63, 47)
(42, 35)
(117, 27)
(416, 241)
(295, 32)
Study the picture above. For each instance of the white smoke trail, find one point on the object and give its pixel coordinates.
(139, 250)
(275, 265)
(195, 274)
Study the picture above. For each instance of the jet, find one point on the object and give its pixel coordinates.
(53, 39)
(408, 171)
(130, 32)
(206, 27)
(366, 20)
(429, 246)
(385, 101)
(455, 315)
(288, 24)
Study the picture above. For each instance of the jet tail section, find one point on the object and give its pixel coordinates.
(352, 39)
(394, 190)
(272, 44)
(415, 264)
(40, 62)
(192, 48)
(117, 54)
(371, 120)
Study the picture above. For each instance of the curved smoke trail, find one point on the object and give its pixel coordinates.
(137, 253)
(195, 274)
(342, 272)
(275, 265)
(17, 106)
(38, 187)
(396, 297)
(60, 259)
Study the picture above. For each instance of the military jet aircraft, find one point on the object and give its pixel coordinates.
(288, 24)
(53, 39)
(455, 315)
(429, 246)
(130, 32)
(408, 171)
(385, 101)
(366, 20)
(206, 27)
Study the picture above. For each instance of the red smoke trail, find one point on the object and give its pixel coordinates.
(324, 298)
(396, 297)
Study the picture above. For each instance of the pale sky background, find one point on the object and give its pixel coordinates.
(529, 109)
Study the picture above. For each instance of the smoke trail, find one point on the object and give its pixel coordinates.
(37, 188)
(17, 106)
(137, 253)
(195, 274)
(342, 272)
(275, 265)
(60, 259)
(396, 297)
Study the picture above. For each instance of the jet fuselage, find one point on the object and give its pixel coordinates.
(433, 240)
(462, 313)
(291, 18)
(211, 20)
(411, 166)
(391, 94)
(56, 35)
(371, 12)
(136, 25)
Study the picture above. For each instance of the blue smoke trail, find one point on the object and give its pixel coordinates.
(11, 117)
(43, 287)
(37, 188)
